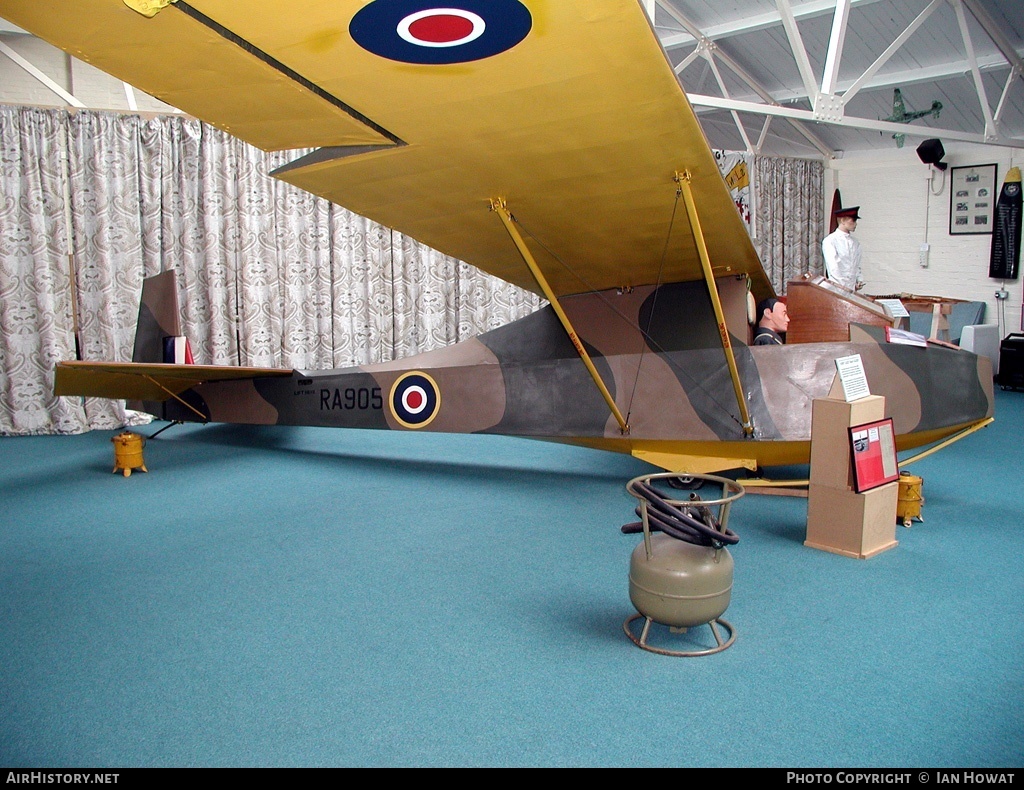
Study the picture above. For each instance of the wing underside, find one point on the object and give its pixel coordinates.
(581, 127)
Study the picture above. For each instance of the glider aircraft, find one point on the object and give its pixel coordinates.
(549, 144)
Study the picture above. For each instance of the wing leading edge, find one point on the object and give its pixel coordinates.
(580, 126)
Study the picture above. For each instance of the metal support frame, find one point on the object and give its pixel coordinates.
(796, 44)
(827, 98)
(641, 641)
(499, 206)
(709, 49)
(752, 484)
(171, 424)
(683, 180)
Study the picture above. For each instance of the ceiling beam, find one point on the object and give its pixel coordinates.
(794, 113)
(997, 36)
(7, 27)
(830, 75)
(829, 103)
(754, 22)
(744, 77)
(870, 80)
(897, 79)
(40, 76)
(725, 92)
(796, 45)
(961, 18)
(881, 60)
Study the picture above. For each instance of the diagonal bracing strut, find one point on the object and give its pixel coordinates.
(683, 180)
(498, 205)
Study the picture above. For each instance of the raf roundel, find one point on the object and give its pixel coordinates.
(418, 31)
(415, 399)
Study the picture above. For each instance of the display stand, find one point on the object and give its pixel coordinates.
(839, 519)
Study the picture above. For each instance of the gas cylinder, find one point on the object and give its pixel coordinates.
(680, 584)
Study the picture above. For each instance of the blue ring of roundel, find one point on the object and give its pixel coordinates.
(375, 28)
(422, 415)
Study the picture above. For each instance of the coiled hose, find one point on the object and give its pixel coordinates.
(693, 523)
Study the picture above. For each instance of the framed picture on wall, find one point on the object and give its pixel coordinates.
(972, 199)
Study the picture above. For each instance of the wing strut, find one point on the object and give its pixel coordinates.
(498, 205)
(173, 395)
(683, 180)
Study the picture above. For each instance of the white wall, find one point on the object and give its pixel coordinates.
(89, 85)
(899, 213)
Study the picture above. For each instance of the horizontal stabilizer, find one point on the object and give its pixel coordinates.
(146, 382)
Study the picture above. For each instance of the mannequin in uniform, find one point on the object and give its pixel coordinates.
(773, 321)
(842, 251)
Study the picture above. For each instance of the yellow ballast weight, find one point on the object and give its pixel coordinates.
(128, 452)
(908, 505)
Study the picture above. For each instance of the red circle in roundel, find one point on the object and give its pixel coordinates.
(441, 28)
(414, 399)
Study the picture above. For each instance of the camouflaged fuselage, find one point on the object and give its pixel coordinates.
(670, 381)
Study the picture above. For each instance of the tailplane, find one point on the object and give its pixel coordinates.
(161, 369)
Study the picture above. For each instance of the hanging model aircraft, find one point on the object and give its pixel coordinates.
(900, 114)
(551, 145)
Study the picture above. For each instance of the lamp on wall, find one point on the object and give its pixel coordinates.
(931, 153)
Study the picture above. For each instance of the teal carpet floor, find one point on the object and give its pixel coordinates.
(309, 597)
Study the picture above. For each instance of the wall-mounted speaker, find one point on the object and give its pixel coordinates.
(931, 153)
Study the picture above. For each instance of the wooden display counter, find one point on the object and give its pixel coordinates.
(821, 311)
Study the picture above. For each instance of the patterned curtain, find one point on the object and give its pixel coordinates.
(268, 274)
(790, 217)
(35, 275)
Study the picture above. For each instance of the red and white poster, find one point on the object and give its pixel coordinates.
(874, 455)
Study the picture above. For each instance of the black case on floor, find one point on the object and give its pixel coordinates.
(1011, 362)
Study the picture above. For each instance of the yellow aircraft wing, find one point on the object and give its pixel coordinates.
(567, 110)
(140, 381)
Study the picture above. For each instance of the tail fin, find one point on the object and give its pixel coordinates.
(159, 322)
(158, 318)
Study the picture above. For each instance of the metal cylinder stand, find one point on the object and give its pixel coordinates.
(678, 580)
